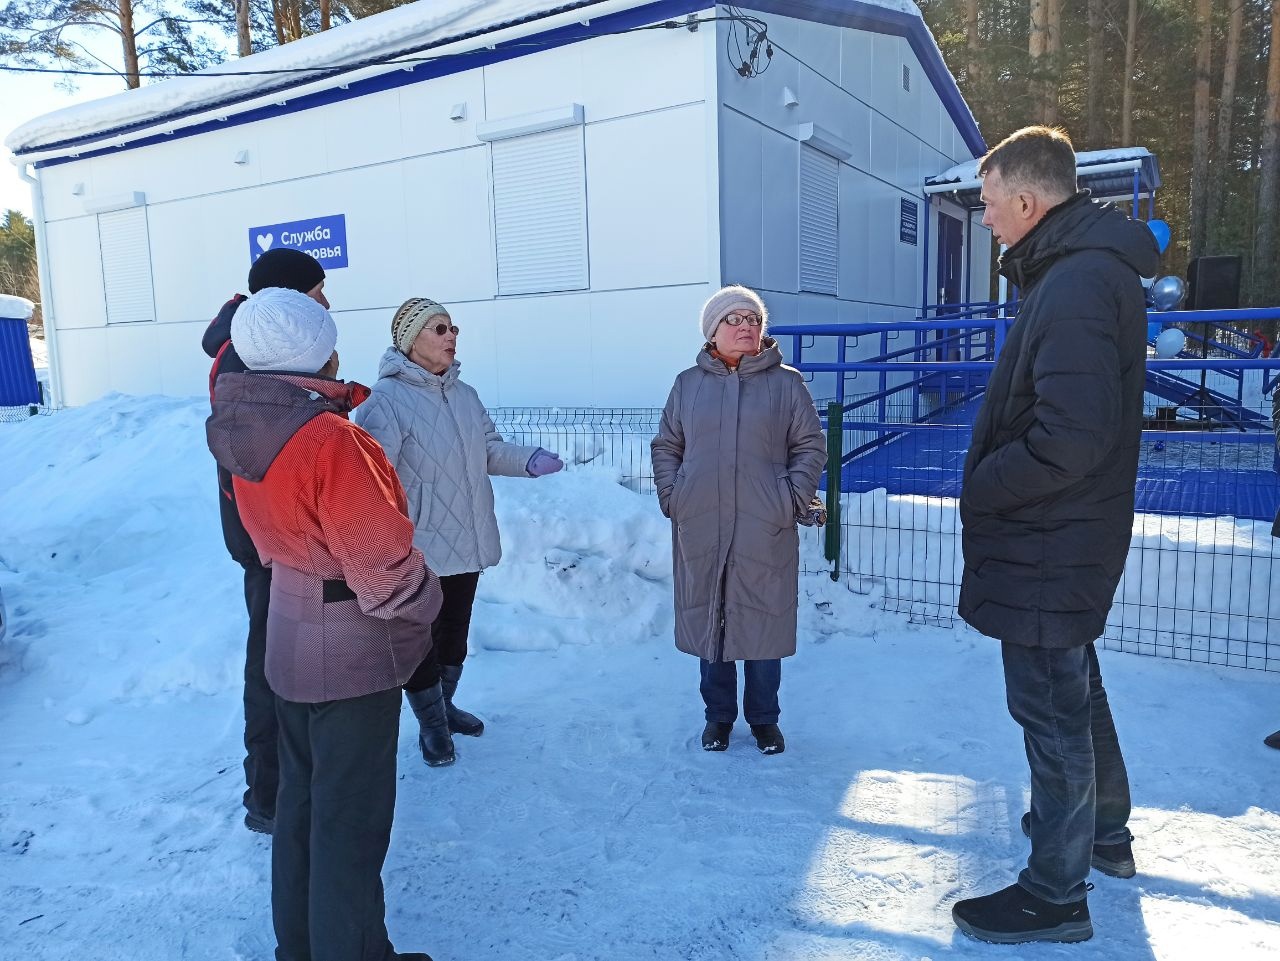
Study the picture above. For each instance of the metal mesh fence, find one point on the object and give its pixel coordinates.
(612, 437)
(12, 415)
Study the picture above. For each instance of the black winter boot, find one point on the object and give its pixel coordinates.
(769, 738)
(460, 721)
(715, 736)
(433, 734)
(1115, 860)
(1015, 915)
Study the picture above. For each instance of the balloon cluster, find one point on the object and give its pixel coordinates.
(1167, 293)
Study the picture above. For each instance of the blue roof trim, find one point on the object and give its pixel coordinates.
(512, 49)
(874, 19)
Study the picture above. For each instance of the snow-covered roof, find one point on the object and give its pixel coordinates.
(16, 308)
(1108, 174)
(383, 44)
(399, 32)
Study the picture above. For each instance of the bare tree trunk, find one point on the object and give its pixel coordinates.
(1130, 59)
(1097, 68)
(1265, 272)
(1037, 43)
(324, 14)
(129, 43)
(1053, 60)
(1226, 101)
(1200, 128)
(244, 46)
(279, 21)
(973, 41)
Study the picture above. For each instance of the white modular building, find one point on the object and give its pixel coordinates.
(571, 178)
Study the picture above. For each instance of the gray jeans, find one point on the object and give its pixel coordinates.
(1079, 785)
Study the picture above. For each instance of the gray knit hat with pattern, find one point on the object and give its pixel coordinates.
(409, 320)
(726, 300)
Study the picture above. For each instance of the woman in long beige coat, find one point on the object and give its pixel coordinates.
(736, 464)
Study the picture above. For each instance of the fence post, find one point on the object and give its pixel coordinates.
(835, 454)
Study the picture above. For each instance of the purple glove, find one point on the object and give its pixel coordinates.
(543, 462)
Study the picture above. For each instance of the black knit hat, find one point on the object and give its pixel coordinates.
(285, 267)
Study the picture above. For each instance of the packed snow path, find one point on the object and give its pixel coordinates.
(586, 823)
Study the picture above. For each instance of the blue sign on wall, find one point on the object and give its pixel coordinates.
(324, 238)
(907, 222)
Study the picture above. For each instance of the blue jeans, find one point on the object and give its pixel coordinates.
(1079, 785)
(759, 699)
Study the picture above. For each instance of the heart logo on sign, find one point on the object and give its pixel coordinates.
(265, 241)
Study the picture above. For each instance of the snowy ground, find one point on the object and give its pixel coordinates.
(586, 823)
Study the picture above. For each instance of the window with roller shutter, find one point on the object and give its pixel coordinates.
(540, 212)
(125, 246)
(819, 227)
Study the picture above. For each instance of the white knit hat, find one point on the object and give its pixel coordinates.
(281, 329)
(726, 300)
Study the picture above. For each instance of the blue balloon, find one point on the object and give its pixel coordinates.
(1162, 233)
(1167, 293)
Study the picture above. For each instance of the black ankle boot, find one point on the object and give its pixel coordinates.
(715, 736)
(1015, 915)
(769, 739)
(433, 726)
(460, 721)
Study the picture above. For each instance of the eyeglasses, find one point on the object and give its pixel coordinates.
(735, 320)
(442, 329)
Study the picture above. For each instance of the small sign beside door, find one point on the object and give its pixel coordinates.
(908, 219)
(324, 238)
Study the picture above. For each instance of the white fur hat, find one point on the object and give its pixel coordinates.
(281, 329)
(726, 300)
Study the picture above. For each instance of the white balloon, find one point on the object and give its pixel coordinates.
(1170, 343)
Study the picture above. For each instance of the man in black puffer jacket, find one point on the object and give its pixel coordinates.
(281, 267)
(1047, 509)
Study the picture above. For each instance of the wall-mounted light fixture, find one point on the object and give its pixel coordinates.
(458, 111)
(242, 157)
(789, 98)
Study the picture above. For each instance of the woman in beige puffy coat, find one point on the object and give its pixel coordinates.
(443, 445)
(736, 464)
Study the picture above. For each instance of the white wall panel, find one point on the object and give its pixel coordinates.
(424, 121)
(779, 235)
(85, 375)
(75, 273)
(646, 199)
(292, 146)
(546, 351)
(856, 53)
(58, 181)
(448, 236)
(613, 89)
(855, 212)
(884, 149)
(182, 167)
(364, 130)
(537, 82)
(741, 199)
(821, 45)
(664, 324)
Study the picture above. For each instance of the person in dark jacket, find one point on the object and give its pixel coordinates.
(352, 603)
(1047, 511)
(294, 270)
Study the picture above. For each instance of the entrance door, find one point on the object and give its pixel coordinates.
(950, 273)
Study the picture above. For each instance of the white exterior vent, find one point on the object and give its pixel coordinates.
(125, 246)
(819, 227)
(906, 78)
(540, 212)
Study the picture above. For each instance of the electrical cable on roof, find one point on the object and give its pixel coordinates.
(744, 65)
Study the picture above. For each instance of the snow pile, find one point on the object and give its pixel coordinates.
(16, 308)
(586, 823)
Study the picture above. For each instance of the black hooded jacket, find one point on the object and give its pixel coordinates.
(217, 344)
(1047, 501)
